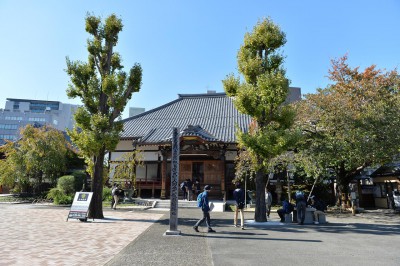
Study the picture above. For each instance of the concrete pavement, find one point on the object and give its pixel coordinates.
(371, 238)
(39, 235)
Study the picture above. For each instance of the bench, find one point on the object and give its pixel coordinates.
(309, 217)
(288, 218)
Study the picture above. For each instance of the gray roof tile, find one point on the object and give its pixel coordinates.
(214, 113)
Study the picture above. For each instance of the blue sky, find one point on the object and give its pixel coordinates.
(189, 46)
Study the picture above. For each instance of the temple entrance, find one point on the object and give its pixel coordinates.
(209, 172)
(198, 171)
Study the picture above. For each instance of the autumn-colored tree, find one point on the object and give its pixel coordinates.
(40, 153)
(262, 95)
(352, 123)
(104, 89)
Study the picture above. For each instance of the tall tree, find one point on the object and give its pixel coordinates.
(104, 89)
(352, 123)
(261, 95)
(40, 153)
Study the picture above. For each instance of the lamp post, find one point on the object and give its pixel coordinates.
(290, 173)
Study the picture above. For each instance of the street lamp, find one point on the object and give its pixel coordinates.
(290, 169)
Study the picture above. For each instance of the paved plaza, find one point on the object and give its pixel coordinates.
(40, 235)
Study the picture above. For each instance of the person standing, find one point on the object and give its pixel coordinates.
(205, 209)
(301, 206)
(189, 187)
(197, 187)
(238, 195)
(268, 201)
(183, 188)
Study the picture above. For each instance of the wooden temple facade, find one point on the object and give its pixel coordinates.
(207, 124)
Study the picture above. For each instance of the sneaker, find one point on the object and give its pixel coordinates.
(195, 228)
(235, 225)
(242, 227)
(211, 231)
(316, 222)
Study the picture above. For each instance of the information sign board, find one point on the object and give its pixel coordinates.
(80, 205)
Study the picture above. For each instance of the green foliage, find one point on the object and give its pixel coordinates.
(59, 197)
(262, 95)
(104, 89)
(79, 179)
(66, 184)
(127, 163)
(40, 153)
(66, 187)
(350, 124)
(107, 194)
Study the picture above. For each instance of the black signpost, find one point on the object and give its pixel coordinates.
(80, 206)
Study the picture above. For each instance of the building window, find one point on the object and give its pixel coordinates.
(8, 137)
(37, 119)
(14, 118)
(9, 126)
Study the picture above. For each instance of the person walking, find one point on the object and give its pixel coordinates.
(268, 201)
(116, 192)
(238, 195)
(203, 198)
(112, 194)
(301, 206)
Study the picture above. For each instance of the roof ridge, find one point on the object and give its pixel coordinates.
(151, 110)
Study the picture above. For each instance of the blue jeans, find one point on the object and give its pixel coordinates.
(206, 217)
(301, 211)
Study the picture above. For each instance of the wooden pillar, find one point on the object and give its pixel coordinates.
(139, 189)
(223, 175)
(164, 173)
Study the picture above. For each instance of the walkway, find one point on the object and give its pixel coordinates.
(40, 235)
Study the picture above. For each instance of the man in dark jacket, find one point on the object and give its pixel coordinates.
(206, 211)
(301, 206)
(319, 207)
(286, 209)
(238, 195)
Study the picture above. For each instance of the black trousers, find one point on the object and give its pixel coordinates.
(281, 214)
(206, 217)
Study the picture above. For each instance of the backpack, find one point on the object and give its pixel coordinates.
(300, 195)
(200, 200)
(182, 186)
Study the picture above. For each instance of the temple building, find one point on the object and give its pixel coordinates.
(208, 146)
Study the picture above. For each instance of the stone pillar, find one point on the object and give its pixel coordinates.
(173, 213)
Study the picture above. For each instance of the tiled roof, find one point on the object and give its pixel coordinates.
(214, 113)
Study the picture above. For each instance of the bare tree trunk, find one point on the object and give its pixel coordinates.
(260, 214)
(96, 207)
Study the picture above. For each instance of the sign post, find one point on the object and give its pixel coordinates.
(173, 216)
(80, 206)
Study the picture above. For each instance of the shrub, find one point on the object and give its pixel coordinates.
(66, 184)
(79, 179)
(59, 197)
(107, 194)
